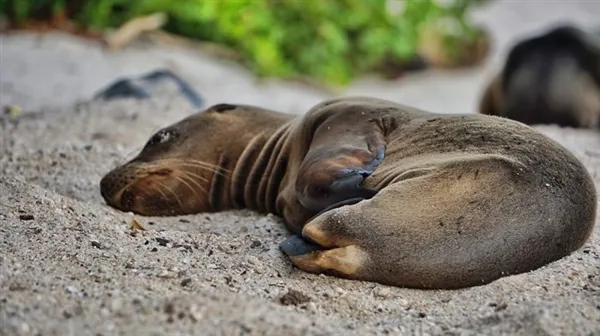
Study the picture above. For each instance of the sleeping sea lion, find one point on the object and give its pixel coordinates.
(374, 190)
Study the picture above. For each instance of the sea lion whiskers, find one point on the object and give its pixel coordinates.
(189, 176)
(145, 192)
(183, 181)
(146, 196)
(160, 184)
(193, 163)
(127, 198)
(184, 178)
(199, 162)
(192, 175)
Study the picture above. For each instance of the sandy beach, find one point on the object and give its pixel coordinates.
(71, 265)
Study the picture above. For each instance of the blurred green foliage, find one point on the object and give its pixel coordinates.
(330, 40)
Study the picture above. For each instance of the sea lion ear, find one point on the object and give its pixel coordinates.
(220, 108)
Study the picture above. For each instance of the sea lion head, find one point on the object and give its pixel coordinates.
(178, 167)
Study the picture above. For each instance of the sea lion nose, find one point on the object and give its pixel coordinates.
(108, 187)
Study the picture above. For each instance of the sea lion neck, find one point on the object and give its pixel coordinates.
(256, 173)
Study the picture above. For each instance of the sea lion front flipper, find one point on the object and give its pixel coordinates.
(335, 167)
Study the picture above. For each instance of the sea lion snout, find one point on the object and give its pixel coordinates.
(150, 189)
(112, 184)
(113, 189)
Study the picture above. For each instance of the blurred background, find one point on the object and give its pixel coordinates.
(433, 54)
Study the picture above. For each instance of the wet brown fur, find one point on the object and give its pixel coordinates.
(461, 200)
(550, 78)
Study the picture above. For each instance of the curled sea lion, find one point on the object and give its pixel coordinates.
(374, 190)
(552, 78)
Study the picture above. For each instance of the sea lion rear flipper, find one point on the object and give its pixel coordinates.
(321, 250)
(345, 261)
(296, 246)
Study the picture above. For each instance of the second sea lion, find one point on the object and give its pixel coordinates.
(550, 78)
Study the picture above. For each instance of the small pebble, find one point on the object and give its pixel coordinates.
(26, 217)
(25, 328)
(501, 307)
(169, 308)
(196, 313)
(71, 289)
(383, 292)
(252, 260)
(166, 274)
(294, 297)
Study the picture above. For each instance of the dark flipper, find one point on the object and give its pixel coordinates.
(140, 88)
(296, 245)
(184, 87)
(123, 88)
(326, 182)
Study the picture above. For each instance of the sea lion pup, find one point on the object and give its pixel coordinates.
(374, 190)
(552, 78)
